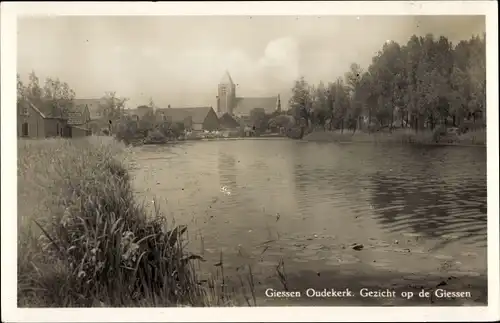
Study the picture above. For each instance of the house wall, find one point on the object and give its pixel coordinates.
(211, 121)
(54, 127)
(160, 118)
(79, 132)
(36, 124)
(197, 127)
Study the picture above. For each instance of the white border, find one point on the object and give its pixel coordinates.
(10, 312)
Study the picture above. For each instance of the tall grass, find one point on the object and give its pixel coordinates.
(84, 241)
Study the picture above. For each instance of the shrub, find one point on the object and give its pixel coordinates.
(438, 133)
(477, 137)
(156, 136)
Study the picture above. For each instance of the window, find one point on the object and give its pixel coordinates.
(22, 109)
(223, 90)
(25, 129)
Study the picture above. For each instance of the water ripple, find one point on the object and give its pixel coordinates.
(331, 195)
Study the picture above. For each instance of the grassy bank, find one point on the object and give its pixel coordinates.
(84, 241)
(472, 138)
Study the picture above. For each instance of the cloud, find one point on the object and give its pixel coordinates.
(282, 57)
(181, 60)
(199, 69)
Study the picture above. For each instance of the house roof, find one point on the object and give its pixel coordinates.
(198, 114)
(48, 110)
(81, 128)
(94, 106)
(76, 115)
(245, 105)
(229, 121)
(45, 108)
(25, 103)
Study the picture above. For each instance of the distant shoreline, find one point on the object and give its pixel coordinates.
(413, 144)
(424, 138)
(398, 137)
(263, 137)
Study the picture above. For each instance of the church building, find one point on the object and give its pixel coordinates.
(228, 102)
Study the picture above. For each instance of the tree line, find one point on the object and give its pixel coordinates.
(59, 96)
(425, 83)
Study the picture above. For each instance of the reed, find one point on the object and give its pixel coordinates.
(84, 241)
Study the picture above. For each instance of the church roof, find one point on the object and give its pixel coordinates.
(245, 105)
(197, 114)
(226, 79)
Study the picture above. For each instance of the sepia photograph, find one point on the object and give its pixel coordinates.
(251, 160)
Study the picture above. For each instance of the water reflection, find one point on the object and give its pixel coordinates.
(431, 207)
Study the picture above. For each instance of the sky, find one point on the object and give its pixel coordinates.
(179, 60)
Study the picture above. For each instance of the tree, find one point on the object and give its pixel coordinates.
(33, 91)
(340, 104)
(55, 94)
(281, 121)
(259, 119)
(21, 89)
(59, 95)
(112, 106)
(477, 75)
(353, 82)
(300, 102)
(424, 82)
(368, 97)
(320, 105)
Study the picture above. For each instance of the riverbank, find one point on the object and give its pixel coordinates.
(208, 138)
(84, 241)
(473, 138)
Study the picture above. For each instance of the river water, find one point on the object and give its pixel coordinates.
(418, 212)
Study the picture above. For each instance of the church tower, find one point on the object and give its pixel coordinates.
(226, 97)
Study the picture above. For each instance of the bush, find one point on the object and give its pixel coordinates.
(477, 137)
(438, 133)
(156, 136)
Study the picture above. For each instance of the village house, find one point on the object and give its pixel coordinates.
(196, 118)
(91, 112)
(45, 120)
(228, 122)
(78, 120)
